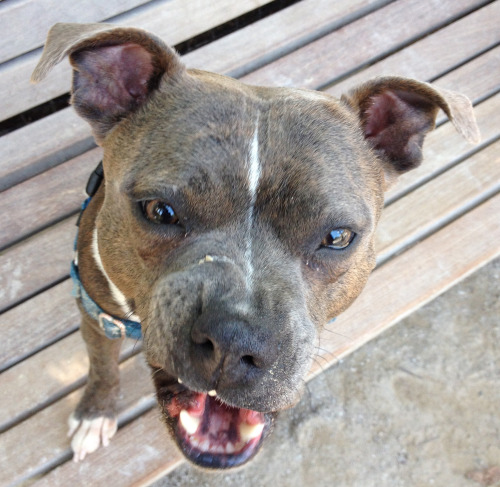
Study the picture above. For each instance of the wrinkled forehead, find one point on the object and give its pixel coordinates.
(221, 138)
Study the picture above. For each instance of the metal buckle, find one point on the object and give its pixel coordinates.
(104, 316)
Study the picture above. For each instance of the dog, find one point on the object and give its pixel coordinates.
(228, 224)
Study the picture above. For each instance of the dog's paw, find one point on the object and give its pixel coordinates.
(89, 434)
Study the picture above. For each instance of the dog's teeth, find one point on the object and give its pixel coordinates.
(179, 381)
(250, 431)
(205, 445)
(230, 448)
(212, 393)
(207, 258)
(190, 423)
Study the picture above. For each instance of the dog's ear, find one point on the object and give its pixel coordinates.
(115, 69)
(396, 114)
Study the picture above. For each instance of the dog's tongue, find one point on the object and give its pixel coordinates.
(213, 432)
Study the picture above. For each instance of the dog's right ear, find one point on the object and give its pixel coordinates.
(115, 69)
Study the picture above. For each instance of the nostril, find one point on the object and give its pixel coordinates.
(248, 360)
(207, 346)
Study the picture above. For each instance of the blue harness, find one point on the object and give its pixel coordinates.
(112, 326)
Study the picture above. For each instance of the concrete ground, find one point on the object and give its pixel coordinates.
(419, 406)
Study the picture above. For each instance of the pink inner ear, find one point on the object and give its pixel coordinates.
(382, 113)
(135, 68)
(113, 78)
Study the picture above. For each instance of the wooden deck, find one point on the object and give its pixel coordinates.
(442, 221)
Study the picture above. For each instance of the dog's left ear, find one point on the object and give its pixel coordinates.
(396, 114)
(115, 69)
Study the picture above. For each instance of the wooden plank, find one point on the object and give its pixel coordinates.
(320, 62)
(414, 278)
(46, 199)
(42, 152)
(47, 431)
(444, 146)
(36, 263)
(47, 376)
(49, 317)
(481, 80)
(431, 56)
(391, 294)
(269, 39)
(46, 143)
(35, 17)
(440, 200)
(149, 451)
(174, 21)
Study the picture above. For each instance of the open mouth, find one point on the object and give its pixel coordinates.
(209, 432)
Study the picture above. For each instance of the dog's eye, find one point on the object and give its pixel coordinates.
(158, 211)
(338, 239)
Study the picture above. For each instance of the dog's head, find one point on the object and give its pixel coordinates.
(236, 220)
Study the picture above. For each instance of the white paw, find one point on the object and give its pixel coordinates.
(88, 434)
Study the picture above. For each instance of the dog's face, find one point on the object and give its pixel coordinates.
(249, 217)
(237, 221)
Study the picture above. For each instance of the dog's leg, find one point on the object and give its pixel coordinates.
(94, 420)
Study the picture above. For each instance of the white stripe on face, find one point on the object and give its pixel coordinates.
(117, 295)
(253, 182)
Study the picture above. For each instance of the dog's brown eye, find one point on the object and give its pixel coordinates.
(338, 239)
(158, 211)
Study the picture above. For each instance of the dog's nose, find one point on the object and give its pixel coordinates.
(228, 353)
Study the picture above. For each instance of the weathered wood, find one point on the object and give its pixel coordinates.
(482, 78)
(174, 21)
(42, 145)
(393, 292)
(277, 35)
(149, 454)
(47, 431)
(36, 263)
(37, 323)
(47, 376)
(324, 60)
(438, 202)
(46, 198)
(433, 55)
(35, 17)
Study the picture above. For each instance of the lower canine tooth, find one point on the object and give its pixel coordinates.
(230, 448)
(190, 423)
(250, 431)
